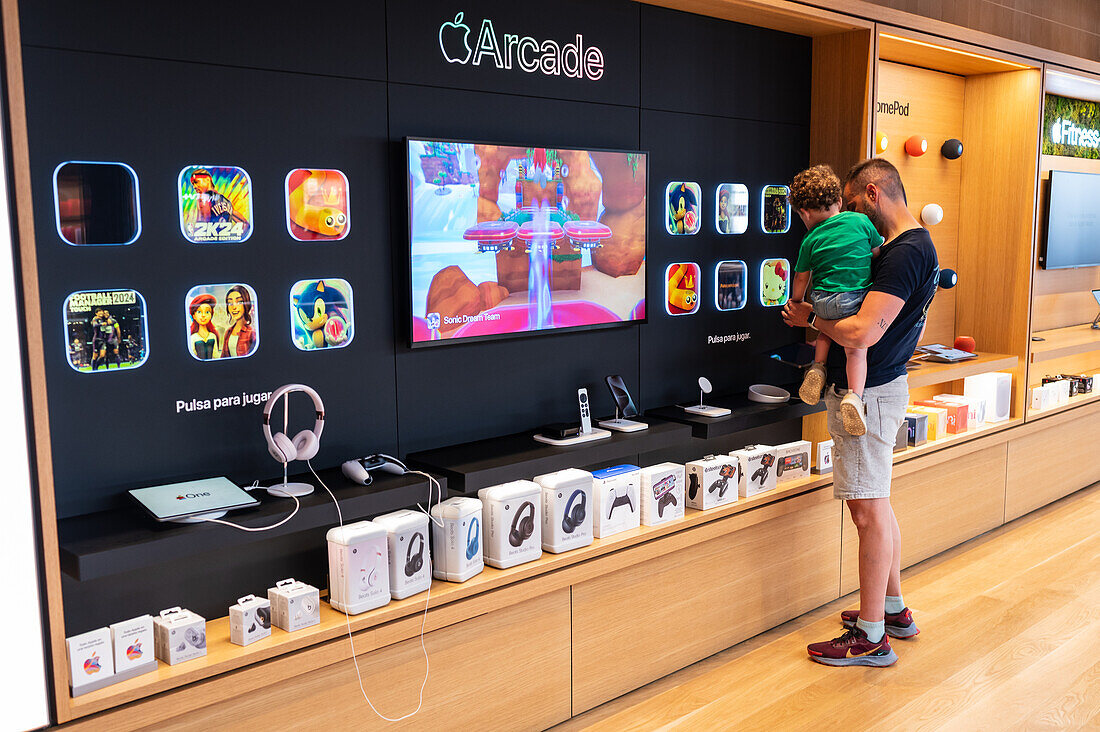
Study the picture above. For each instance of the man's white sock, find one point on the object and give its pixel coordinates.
(874, 631)
(894, 604)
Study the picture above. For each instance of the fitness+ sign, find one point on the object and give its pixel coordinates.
(1071, 127)
(511, 51)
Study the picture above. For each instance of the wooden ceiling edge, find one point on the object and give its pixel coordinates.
(951, 44)
(788, 16)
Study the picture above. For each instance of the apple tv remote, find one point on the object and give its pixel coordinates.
(586, 418)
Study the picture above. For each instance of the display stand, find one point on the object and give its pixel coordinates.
(117, 677)
(595, 434)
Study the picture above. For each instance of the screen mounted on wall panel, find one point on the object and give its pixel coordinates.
(512, 240)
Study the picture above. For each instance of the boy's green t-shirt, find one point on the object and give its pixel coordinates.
(838, 252)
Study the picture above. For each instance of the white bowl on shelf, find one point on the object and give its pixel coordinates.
(768, 394)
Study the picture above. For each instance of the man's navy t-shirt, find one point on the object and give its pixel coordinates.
(908, 268)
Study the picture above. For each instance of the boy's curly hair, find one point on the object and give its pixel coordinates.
(814, 188)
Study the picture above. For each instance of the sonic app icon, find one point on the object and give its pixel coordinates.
(215, 204)
(682, 208)
(775, 275)
(317, 205)
(321, 314)
(682, 288)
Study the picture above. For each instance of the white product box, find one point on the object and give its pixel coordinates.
(792, 461)
(615, 494)
(1063, 392)
(975, 414)
(90, 660)
(1046, 396)
(410, 556)
(134, 646)
(456, 545)
(294, 605)
(711, 481)
(179, 635)
(358, 567)
(566, 509)
(995, 388)
(249, 620)
(513, 517)
(758, 469)
(663, 495)
(824, 458)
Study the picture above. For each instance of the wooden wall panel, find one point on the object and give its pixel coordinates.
(936, 112)
(645, 621)
(1053, 462)
(840, 100)
(508, 669)
(938, 506)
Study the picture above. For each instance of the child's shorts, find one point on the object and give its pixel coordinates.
(836, 305)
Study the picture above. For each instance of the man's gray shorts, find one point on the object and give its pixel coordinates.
(862, 466)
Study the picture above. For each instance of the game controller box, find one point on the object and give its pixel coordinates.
(711, 481)
(792, 461)
(916, 432)
(757, 464)
(133, 643)
(90, 660)
(823, 461)
(410, 557)
(358, 567)
(511, 513)
(662, 493)
(294, 605)
(179, 635)
(615, 495)
(249, 620)
(456, 539)
(566, 509)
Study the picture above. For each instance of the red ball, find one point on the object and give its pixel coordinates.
(966, 343)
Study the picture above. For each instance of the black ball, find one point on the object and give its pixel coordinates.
(952, 149)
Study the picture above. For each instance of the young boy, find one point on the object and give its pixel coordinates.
(837, 252)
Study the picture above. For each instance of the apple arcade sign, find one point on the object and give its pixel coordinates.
(1071, 127)
(512, 51)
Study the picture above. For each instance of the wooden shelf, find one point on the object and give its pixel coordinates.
(953, 440)
(1062, 342)
(927, 373)
(1074, 401)
(745, 415)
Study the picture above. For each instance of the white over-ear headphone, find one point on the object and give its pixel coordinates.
(306, 443)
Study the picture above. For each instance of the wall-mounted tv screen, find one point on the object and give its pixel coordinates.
(1073, 221)
(508, 240)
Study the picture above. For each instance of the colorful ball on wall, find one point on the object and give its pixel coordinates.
(916, 146)
(881, 142)
(931, 214)
(952, 149)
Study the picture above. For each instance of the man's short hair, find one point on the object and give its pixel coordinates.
(880, 172)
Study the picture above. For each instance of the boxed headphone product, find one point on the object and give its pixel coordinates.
(249, 620)
(711, 481)
(358, 567)
(456, 544)
(824, 461)
(179, 635)
(792, 461)
(510, 512)
(615, 493)
(662, 493)
(294, 605)
(916, 428)
(410, 558)
(566, 514)
(758, 469)
(134, 647)
(995, 388)
(90, 660)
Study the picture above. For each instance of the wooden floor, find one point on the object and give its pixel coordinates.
(1010, 639)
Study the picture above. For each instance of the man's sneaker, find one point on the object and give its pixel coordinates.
(853, 649)
(898, 625)
(851, 414)
(812, 383)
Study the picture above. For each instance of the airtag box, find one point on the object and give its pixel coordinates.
(410, 553)
(358, 567)
(615, 500)
(179, 635)
(249, 620)
(711, 481)
(512, 515)
(824, 462)
(456, 539)
(294, 605)
(758, 469)
(792, 461)
(662, 493)
(91, 663)
(566, 509)
(134, 647)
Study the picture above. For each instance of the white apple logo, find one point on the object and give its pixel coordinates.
(457, 25)
(1056, 132)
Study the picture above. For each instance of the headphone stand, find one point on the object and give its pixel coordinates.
(286, 490)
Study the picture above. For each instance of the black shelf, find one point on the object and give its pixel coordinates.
(474, 465)
(111, 542)
(746, 415)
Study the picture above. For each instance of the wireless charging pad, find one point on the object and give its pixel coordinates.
(705, 411)
(195, 520)
(623, 425)
(595, 434)
(286, 490)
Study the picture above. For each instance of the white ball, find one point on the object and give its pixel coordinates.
(931, 214)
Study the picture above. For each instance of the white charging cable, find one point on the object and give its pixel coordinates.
(432, 482)
(254, 486)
